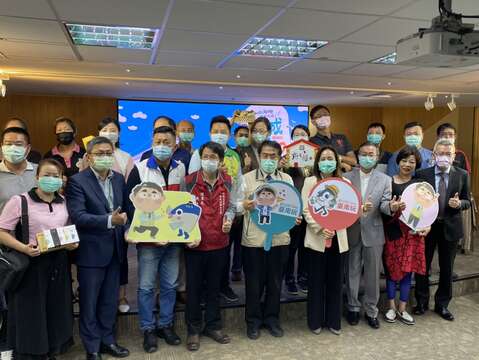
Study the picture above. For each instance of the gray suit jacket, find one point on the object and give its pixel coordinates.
(370, 224)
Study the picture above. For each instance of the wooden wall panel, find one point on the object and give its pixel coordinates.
(475, 156)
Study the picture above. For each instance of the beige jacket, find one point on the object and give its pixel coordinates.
(313, 239)
(252, 235)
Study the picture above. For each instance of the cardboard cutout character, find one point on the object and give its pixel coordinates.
(147, 198)
(184, 218)
(425, 197)
(266, 200)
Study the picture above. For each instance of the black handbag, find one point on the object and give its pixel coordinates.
(13, 264)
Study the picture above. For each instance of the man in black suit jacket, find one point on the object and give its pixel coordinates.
(452, 184)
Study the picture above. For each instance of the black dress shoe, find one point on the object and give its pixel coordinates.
(420, 309)
(275, 330)
(444, 313)
(373, 322)
(93, 356)
(150, 341)
(353, 318)
(253, 332)
(169, 335)
(114, 350)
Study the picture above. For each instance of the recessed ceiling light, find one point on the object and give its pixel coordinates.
(220, 87)
(279, 47)
(127, 83)
(351, 92)
(111, 36)
(390, 83)
(238, 76)
(389, 59)
(128, 70)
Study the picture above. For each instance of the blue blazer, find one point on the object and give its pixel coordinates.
(89, 211)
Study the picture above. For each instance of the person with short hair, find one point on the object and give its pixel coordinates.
(263, 269)
(157, 262)
(413, 136)
(321, 119)
(376, 134)
(33, 156)
(40, 312)
(449, 132)
(205, 260)
(186, 133)
(452, 185)
(95, 199)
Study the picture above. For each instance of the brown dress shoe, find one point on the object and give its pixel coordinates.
(193, 342)
(218, 336)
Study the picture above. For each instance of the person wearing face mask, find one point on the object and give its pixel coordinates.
(413, 136)
(206, 260)
(245, 149)
(260, 131)
(448, 131)
(376, 135)
(366, 235)
(326, 253)
(158, 262)
(321, 119)
(42, 328)
(220, 130)
(263, 270)
(297, 283)
(186, 134)
(452, 185)
(403, 250)
(33, 156)
(95, 199)
(67, 152)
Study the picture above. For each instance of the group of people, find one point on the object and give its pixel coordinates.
(91, 188)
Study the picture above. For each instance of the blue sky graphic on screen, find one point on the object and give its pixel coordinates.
(136, 120)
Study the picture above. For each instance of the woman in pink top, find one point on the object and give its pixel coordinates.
(40, 314)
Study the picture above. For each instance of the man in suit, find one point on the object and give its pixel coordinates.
(95, 197)
(366, 236)
(452, 184)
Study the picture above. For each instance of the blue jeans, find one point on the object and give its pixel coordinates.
(153, 261)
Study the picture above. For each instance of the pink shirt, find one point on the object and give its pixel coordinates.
(41, 215)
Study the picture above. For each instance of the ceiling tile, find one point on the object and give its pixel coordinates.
(428, 73)
(315, 25)
(257, 62)
(386, 31)
(319, 66)
(229, 18)
(377, 69)
(141, 13)
(465, 78)
(351, 52)
(27, 8)
(378, 7)
(179, 58)
(180, 40)
(29, 29)
(259, 2)
(114, 55)
(35, 50)
(428, 9)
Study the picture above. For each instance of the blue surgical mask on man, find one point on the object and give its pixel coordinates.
(375, 138)
(221, 139)
(162, 152)
(414, 140)
(367, 162)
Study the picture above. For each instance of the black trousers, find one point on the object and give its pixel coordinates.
(202, 273)
(235, 242)
(297, 234)
(447, 254)
(325, 281)
(263, 274)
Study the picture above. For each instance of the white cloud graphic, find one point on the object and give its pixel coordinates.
(120, 107)
(132, 128)
(121, 118)
(140, 115)
(195, 117)
(302, 108)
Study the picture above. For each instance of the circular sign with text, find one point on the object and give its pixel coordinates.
(422, 205)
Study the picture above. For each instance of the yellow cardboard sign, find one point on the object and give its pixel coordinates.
(87, 139)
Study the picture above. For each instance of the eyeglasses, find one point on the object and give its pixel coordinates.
(102, 154)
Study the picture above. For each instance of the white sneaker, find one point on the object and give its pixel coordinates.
(390, 316)
(335, 331)
(7, 355)
(317, 331)
(405, 318)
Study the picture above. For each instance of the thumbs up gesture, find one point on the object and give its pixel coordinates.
(396, 204)
(455, 202)
(226, 224)
(368, 205)
(118, 218)
(247, 161)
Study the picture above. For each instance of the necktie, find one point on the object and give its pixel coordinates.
(269, 178)
(442, 195)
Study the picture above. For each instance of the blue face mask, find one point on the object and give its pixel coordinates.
(269, 166)
(327, 166)
(162, 152)
(221, 139)
(187, 136)
(13, 153)
(50, 184)
(375, 138)
(259, 138)
(413, 140)
(367, 162)
(242, 141)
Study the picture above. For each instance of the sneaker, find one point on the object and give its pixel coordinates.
(292, 288)
(335, 331)
(405, 318)
(316, 331)
(303, 286)
(390, 316)
(229, 295)
(123, 306)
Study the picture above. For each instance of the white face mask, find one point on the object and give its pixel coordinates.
(300, 137)
(323, 122)
(112, 136)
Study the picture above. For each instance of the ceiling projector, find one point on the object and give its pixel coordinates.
(448, 43)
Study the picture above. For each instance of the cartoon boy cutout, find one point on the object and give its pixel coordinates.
(325, 200)
(147, 198)
(425, 197)
(265, 202)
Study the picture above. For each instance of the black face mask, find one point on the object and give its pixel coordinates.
(65, 138)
